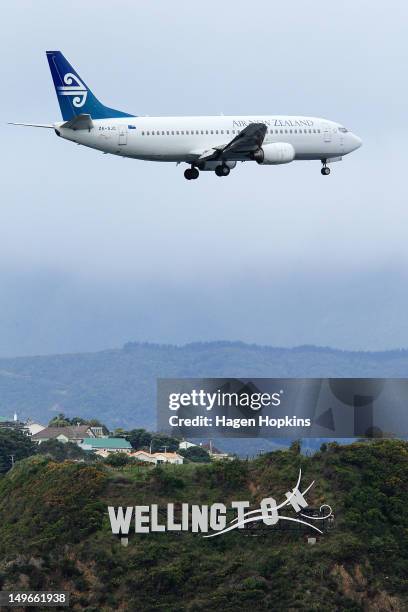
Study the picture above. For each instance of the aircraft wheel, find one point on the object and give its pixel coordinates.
(325, 171)
(222, 170)
(191, 174)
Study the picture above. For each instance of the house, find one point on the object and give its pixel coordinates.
(141, 455)
(174, 458)
(157, 458)
(70, 433)
(107, 445)
(185, 444)
(31, 428)
(215, 453)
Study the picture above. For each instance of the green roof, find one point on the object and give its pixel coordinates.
(107, 442)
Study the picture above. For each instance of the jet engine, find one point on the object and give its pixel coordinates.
(275, 153)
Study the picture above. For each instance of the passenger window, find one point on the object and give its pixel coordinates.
(227, 131)
(286, 131)
(222, 131)
(295, 131)
(142, 133)
(177, 132)
(148, 133)
(212, 132)
(167, 132)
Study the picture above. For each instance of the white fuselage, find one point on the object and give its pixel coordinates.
(185, 139)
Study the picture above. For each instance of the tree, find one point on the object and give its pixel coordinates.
(60, 451)
(161, 442)
(14, 446)
(197, 454)
(139, 438)
(59, 421)
(117, 459)
(296, 447)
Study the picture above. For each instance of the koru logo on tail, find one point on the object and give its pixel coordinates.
(75, 88)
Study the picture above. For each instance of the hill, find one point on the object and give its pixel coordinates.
(119, 386)
(54, 534)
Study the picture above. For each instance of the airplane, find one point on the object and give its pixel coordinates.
(214, 143)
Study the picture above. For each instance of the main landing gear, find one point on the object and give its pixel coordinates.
(222, 170)
(191, 173)
(325, 170)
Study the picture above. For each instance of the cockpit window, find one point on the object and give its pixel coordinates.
(343, 129)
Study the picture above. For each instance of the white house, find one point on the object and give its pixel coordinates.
(185, 444)
(31, 428)
(157, 458)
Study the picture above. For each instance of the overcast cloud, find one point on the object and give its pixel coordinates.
(96, 250)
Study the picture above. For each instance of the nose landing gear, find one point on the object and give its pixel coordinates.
(191, 173)
(325, 170)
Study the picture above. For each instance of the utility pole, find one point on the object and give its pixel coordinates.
(12, 460)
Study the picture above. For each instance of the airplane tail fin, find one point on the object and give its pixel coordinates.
(74, 96)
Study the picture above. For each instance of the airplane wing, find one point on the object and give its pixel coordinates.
(246, 142)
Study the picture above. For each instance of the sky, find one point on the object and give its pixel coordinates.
(96, 250)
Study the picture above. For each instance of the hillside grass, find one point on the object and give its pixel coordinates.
(55, 533)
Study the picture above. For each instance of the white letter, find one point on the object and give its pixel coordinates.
(140, 519)
(217, 517)
(173, 401)
(154, 523)
(171, 525)
(211, 397)
(268, 507)
(296, 500)
(120, 523)
(199, 518)
(240, 506)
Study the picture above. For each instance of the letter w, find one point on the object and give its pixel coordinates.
(120, 523)
(296, 500)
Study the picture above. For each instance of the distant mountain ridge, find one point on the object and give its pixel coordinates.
(118, 386)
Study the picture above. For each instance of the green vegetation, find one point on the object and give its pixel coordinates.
(60, 420)
(54, 533)
(60, 451)
(197, 454)
(14, 445)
